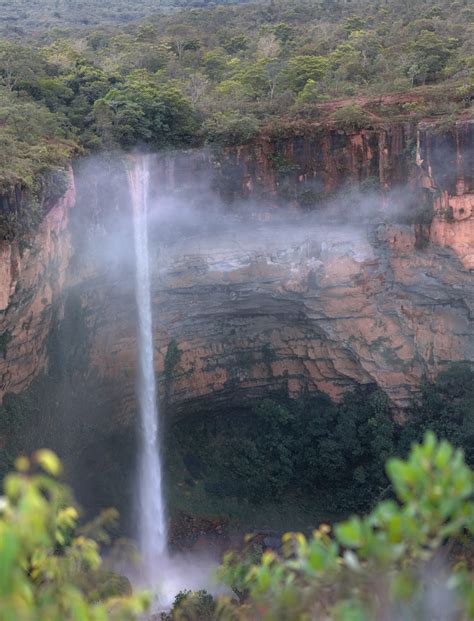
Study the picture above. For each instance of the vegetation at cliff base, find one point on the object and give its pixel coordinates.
(279, 450)
(273, 450)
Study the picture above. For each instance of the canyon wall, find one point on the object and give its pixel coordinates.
(32, 278)
(310, 260)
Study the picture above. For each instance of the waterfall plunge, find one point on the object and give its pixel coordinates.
(152, 519)
(165, 575)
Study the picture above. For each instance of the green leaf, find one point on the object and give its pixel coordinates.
(49, 461)
(350, 533)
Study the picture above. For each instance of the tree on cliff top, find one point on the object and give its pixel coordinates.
(139, 111)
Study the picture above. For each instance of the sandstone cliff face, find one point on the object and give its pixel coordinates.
(32, 277)
(447, 163)
(321, 163)
(319, 310)
(311, 303)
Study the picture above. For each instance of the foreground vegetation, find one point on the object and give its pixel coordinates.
(218, 74)
(49, 568)
(388, 564)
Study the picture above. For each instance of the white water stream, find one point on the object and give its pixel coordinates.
(164, 574)
(152, 515)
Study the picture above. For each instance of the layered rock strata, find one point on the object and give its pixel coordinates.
(284, 294)
(32, 279)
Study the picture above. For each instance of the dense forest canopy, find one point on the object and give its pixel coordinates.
(24, 16)
(217, 74)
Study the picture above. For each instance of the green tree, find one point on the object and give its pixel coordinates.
(429, 55)
(447, 407)
(182, 38)
(256, 78)
(309, 95)
(20, 65)
(216, 63)
(236, 43)
(140, 111)
(300, 69)
(230, 128)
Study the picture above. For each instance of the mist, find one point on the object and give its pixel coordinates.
(187, 208)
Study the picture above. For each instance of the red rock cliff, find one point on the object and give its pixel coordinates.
(32, 278)
(303, 307)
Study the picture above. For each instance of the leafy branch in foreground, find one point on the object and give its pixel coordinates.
(44, 559)
(387, 564)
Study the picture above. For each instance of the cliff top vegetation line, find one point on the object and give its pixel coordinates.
(218, 74)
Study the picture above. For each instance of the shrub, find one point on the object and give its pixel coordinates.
(230, 128)
(351, 118)
(379, 566)
(5, 338)
(301, 69)
(172, 358)
(192, 606)
(44, 557)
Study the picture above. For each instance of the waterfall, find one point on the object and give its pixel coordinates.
(152, 519)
